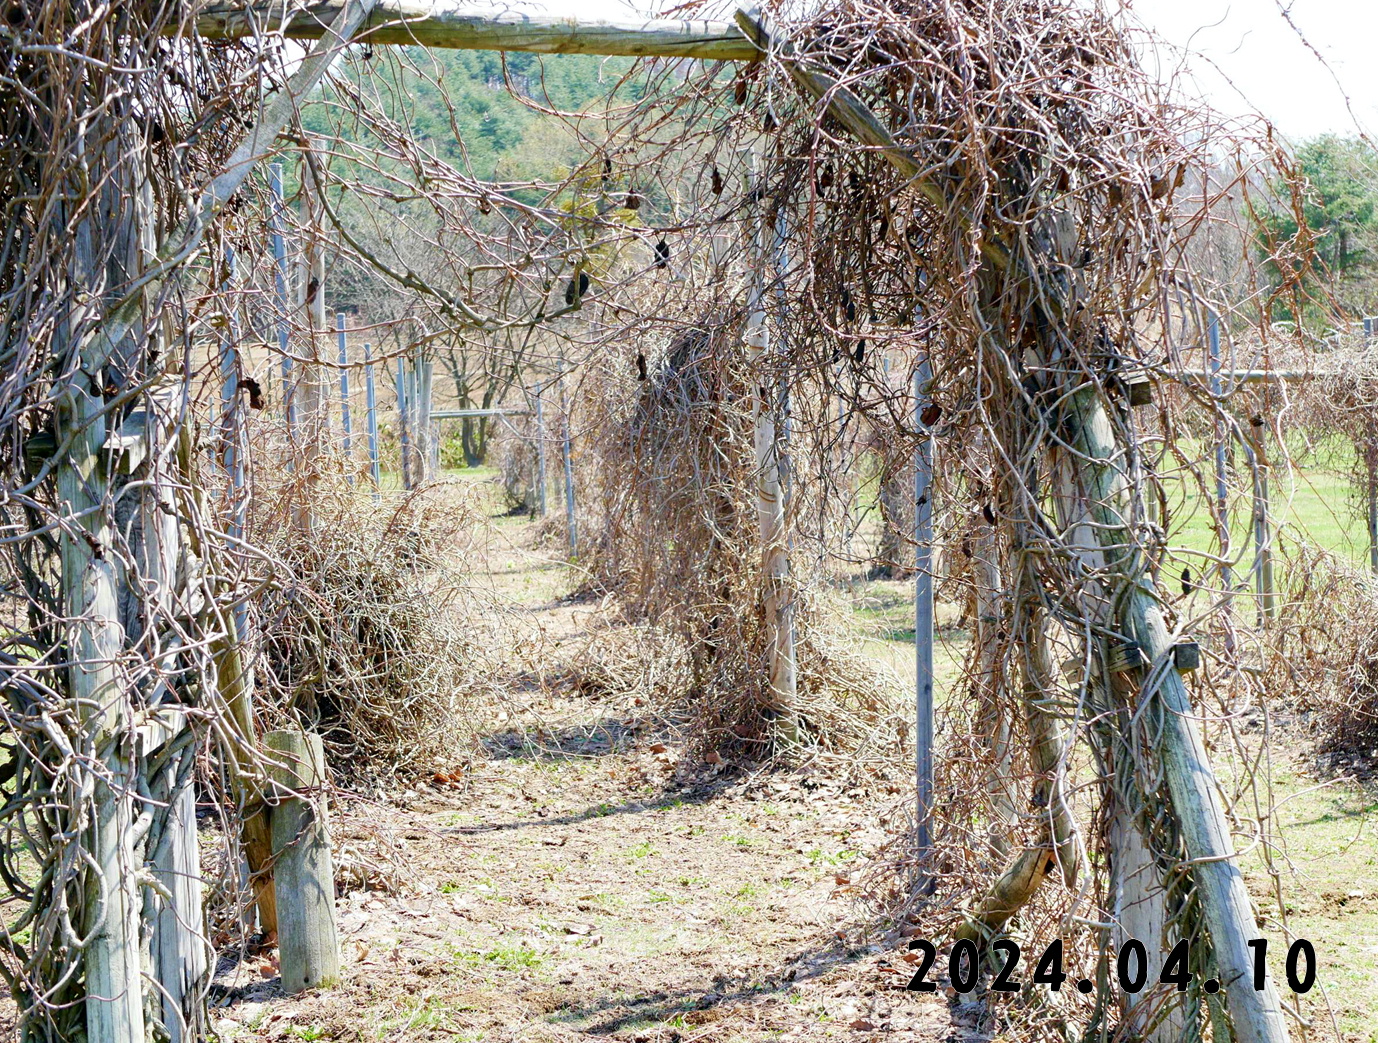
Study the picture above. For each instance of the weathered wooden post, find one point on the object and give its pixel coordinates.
(782, 678)
(180, 948)
(1169, 716)
(346, 430)
(303, 871)
(371, 398)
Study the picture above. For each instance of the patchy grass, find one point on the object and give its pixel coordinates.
(1329, 843)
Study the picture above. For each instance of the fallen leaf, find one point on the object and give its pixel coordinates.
(712, 757)
(659, 747)
(578, 928)
(862, 1025)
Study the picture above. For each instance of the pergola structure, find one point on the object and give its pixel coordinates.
(1091, 463)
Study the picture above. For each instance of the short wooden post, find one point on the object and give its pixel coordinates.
(303, 871)
(371, 398)
(179, 950)
(344, 386)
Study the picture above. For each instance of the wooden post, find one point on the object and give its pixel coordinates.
(110, 913)
(540, 454)
(344, 388)
(1169, 716)
(180, 949)
(782, 676)
(991, 695)
(923, 622)
(281, 282)
(303, 872)
(371, 398)
(570, 520)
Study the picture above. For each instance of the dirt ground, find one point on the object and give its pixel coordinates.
(588, 893)
(586, 879)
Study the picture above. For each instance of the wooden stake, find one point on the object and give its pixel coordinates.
(180, 949)
(303, 872)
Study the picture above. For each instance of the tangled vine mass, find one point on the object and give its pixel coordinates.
(962, 227)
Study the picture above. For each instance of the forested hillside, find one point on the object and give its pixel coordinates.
(465, 104)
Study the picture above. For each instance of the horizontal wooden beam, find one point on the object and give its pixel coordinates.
(454, 27)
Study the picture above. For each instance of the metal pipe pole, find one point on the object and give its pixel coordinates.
(344, 385)
(432, 435)
(289, 400)
(371, 400)
(232, 422)
(540, 456)
(923, 619)
(403, 423)
(569, 468)
(1221, 488)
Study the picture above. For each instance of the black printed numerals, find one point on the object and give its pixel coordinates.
(1132, 972)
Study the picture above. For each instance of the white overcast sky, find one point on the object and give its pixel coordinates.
(1242, 55)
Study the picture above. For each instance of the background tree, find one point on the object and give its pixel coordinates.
(1339, 199)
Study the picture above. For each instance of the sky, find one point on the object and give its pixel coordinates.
(1241, 55)
(1244, 57)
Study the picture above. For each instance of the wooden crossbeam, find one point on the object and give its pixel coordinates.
(455, 27)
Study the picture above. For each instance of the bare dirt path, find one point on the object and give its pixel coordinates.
(585, 881)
